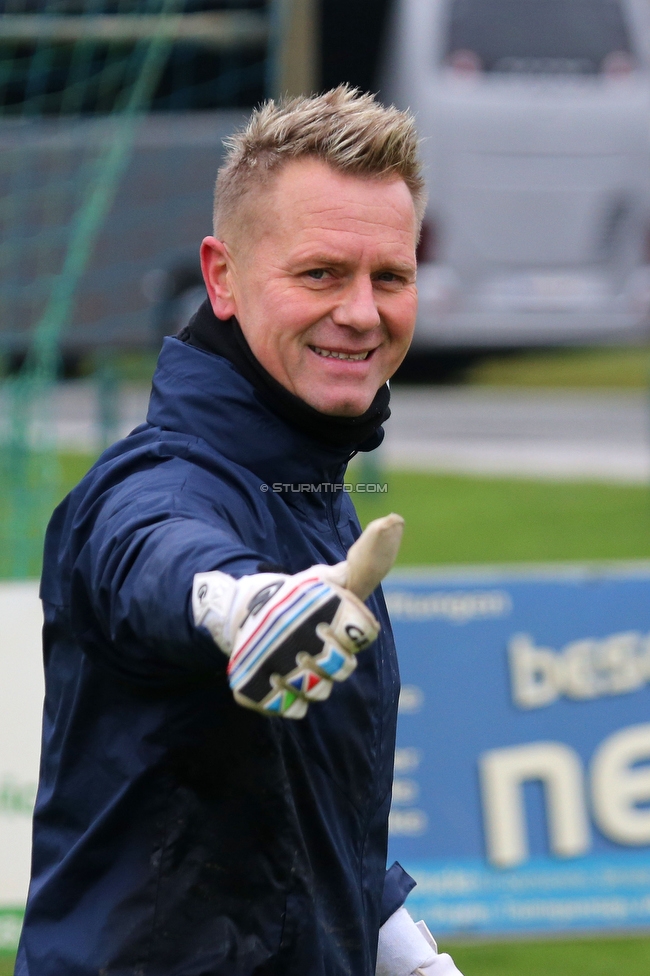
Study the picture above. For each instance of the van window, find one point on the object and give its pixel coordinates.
(537, 36)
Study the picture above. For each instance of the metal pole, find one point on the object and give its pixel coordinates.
(108, 392)
(217, 29)
(294, 48)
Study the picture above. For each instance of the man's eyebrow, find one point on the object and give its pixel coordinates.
(319, 259)
(398, 267)
(323, 260)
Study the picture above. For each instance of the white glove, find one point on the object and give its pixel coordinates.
(407, 948)
(442, 965)
(290, 637)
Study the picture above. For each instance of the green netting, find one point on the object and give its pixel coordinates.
(52, 207)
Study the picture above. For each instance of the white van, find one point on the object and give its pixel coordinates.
(535, 118)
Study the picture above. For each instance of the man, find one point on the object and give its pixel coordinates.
(220, 702)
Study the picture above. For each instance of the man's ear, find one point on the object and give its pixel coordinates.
(217, 274)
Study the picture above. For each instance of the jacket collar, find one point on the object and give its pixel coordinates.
(226, 339)
(198, 393)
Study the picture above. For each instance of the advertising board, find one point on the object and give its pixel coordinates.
(522, 786)
(522, 781)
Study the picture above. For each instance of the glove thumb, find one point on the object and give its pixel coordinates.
(370, 558)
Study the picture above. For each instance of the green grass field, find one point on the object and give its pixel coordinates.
(596, 368)
(459, 520)
(452, 519)
(577, 957)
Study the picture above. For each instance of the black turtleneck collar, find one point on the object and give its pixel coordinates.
(364, 433)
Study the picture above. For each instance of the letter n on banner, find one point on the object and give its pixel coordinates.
(503, 773)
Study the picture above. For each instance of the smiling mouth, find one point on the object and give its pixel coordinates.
(331, 354)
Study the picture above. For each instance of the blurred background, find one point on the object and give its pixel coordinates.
(520, 428)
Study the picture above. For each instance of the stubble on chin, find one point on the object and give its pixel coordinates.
(336, 406)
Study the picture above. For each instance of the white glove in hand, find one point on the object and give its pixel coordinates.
(290, 637)
(407, 948)
(443, 965)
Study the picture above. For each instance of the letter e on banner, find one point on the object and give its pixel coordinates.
(617, 787)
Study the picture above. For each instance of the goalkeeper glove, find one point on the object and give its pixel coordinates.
(290, 637)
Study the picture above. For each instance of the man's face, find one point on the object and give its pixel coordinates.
(323, 283)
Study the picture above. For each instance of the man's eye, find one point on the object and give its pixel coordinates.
(318, 274)
(388, 276)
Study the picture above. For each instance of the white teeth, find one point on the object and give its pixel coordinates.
(330, 354)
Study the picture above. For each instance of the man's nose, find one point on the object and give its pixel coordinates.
(357, 307)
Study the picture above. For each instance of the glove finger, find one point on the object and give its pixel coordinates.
(320, 689)
(354, 627)
(334, 661)
(281, 701)
(310, 683)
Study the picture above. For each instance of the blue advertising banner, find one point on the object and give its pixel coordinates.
(522, 783)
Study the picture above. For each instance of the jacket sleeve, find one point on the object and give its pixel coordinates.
(135, 554)
(397, 885)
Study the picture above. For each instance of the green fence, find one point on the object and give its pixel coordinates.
(68, 70)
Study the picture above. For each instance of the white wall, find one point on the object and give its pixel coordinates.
(21, 702)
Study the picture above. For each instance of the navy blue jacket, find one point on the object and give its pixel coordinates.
(176, 833)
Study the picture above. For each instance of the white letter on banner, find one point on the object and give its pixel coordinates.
(617, 788)
(503, 773)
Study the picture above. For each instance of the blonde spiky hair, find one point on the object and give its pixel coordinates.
(344, 127)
